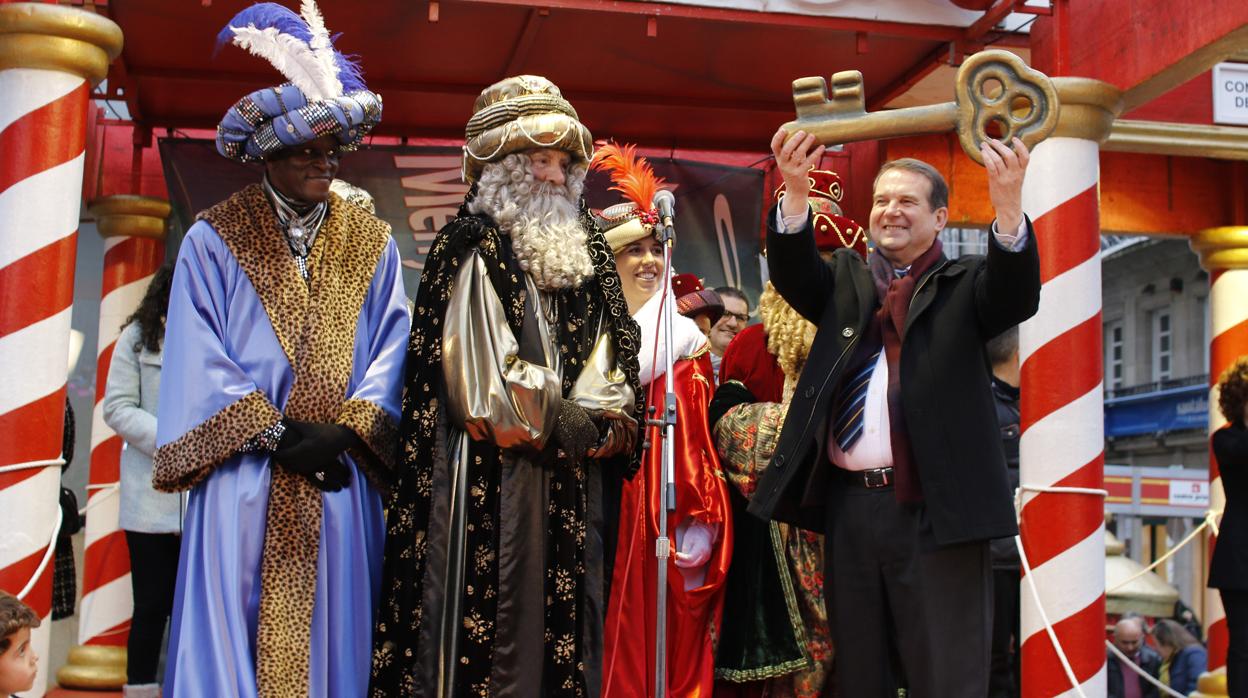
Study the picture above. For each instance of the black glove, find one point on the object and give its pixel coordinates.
(311, 449)
(575, 431)
(619, 433)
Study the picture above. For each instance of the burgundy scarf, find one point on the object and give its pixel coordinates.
(895, 294)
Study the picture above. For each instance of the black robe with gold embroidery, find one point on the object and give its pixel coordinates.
(496, 508)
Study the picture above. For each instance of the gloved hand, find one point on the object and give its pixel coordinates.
(618, 430)
(575, 431)
(695, 540)
(311, 449)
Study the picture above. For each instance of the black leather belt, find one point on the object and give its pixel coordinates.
(870, 479)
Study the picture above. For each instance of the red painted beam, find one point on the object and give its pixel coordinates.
(721, 14)
(1143, 47)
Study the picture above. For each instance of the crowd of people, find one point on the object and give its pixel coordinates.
(330, 490)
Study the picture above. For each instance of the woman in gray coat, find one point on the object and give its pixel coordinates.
(152, 520)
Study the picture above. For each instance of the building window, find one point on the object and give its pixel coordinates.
(1163, 348)
(963, 241)
(1114, 365)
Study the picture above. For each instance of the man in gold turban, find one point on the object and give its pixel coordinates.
(521, 396)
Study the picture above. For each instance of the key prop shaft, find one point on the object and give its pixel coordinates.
(994, 89)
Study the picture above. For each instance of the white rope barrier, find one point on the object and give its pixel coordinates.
(104, 490)
(1126, 661)
(1209, 522)
(1031, 580)
(50, 551)
(47, 557)
(48, 463)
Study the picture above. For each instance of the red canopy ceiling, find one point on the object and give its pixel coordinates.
(709, 77)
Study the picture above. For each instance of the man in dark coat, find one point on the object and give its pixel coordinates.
(891, 443)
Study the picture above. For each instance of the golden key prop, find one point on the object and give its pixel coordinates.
(993, 87)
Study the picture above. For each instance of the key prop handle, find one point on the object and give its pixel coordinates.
(996, 88)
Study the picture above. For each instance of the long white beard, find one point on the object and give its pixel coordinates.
(542, 220)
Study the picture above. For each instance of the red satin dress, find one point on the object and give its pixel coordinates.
(693, 616)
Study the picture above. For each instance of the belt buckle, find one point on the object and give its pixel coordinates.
(880, 477)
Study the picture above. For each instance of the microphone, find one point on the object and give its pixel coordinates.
(665, 202)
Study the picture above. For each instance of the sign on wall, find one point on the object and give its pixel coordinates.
(417, 189)
(1230, 94)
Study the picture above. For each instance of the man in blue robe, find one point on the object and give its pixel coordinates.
(280, 392)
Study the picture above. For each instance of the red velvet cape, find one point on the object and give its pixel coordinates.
(693, 616)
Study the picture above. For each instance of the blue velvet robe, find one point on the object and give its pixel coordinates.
(220, 346)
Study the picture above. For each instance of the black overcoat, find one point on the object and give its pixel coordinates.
(945, 379)
(1229, 567)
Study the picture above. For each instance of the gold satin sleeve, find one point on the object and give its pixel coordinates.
(602, 385)
(492, 393)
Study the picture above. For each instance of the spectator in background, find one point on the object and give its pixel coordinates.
(1228, 571)
(151, 520)
(18, 662)
(1183, 657)
(1124, 682)
(1006, 565)
(735, 318)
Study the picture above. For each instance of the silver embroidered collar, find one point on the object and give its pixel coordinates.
(300, 229)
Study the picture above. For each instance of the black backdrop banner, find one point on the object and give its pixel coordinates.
(417, 189)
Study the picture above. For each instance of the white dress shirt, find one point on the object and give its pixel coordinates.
(874, 449)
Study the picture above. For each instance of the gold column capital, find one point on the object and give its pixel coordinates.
(57, 37)
(130, 215)
(1221, 248)
(1089, 108)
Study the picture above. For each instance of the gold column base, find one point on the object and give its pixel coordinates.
(1211, 684)
(94, 667)
(131, 215)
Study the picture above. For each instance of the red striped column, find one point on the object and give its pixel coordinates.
(1062, 444)
(133, 228)
(1224, 254)
(49, 57)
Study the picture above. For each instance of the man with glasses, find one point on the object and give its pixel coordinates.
(735, 318)
(280, 389)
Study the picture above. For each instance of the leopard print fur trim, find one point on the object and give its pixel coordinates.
(315, 323)
(380, 434)
(182, 464)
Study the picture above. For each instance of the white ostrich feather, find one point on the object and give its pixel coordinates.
(292, 58)
(322, 48)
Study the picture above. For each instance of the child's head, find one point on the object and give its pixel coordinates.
(17, 658)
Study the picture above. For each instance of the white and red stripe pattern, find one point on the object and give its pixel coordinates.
(1228, 290)
(42, 141)
(1062, 441)
(107, 601)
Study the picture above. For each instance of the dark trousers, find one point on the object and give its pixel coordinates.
(903, 610)
(1235, 602)
(1004, 675)
(153, 574)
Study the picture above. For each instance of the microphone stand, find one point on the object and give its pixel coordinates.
(666, 236)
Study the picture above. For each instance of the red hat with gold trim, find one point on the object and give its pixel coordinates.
(692, 298)
(833, 229)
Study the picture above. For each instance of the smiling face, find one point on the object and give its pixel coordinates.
(903, 222)
(305, 172)
(18, 663)
(736, 316)
(640, 265)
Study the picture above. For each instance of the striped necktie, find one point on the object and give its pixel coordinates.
(849, 413)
